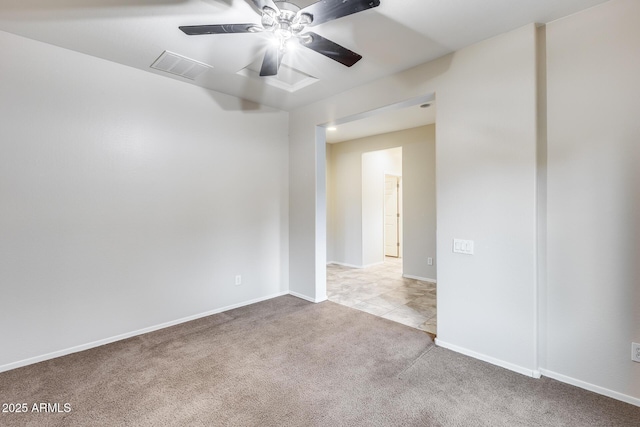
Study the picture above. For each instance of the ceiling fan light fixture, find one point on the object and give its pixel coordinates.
(287, 7)
(274, 41)
(291, 45)
(284, 32)
(269, 19)
(288, 22)
(305, 38)
(300, 22)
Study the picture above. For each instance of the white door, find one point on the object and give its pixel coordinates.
(391, 216)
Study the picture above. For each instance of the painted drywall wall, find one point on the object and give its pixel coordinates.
(331, 202)
(418, 204)
(375, 164)
(128, 200)
(344, 195)
(594, 197)
(486, 180)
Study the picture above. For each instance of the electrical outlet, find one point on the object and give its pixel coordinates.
(429, 261)
(238, 280)
(635, 352)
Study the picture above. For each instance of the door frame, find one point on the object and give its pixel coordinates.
(399, 216)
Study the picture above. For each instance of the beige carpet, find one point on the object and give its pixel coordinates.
(287, 362)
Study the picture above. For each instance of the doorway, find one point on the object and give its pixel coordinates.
(376, 206)
(381, 225)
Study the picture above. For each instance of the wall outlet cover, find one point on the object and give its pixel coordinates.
(635, 352)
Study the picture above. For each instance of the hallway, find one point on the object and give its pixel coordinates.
(382, 291)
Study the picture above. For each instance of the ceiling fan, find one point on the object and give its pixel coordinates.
(288, 22)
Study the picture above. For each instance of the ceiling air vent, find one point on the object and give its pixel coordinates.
(180, 65)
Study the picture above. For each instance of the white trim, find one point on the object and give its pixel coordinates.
(591, 387)
(306, 298)
(507, 365)
(344, 264)
(422, 279)
(98, 343)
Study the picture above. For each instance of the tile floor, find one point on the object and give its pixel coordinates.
(382, 291)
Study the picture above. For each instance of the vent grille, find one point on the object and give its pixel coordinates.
(179, 65)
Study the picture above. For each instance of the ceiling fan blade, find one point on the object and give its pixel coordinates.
(328, 10)
(260, 4)
(329, 49)
(196, 30)
(271, 62)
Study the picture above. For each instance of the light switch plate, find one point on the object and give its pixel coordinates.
(461, 246)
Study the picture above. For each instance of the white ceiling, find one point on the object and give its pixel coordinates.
(395, 36)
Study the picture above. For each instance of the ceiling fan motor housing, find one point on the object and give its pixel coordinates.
(287, 21)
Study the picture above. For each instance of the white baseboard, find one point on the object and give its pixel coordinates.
(343, 264)
(510, 366)
(306, 298)
(422, 279)
(98, 343)
(591, 387)
(543, 372)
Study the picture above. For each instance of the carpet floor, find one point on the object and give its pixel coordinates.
(287, 362)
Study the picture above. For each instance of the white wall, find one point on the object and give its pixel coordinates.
(128, 200)
(418, 204)
(594, 197)
(344, 195)
(486, 180)
(375, 164)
